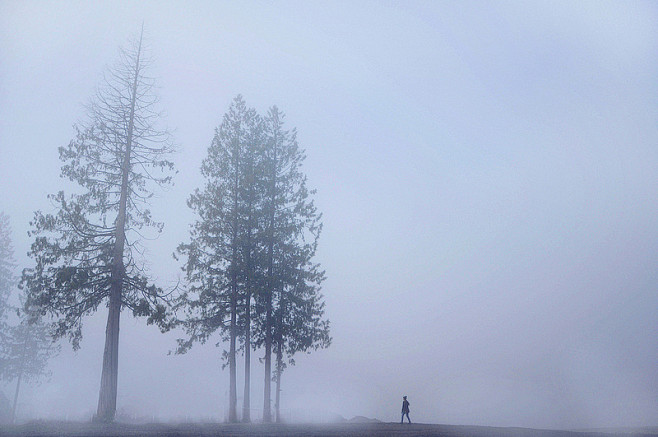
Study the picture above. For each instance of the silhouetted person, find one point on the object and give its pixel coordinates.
(405, 409)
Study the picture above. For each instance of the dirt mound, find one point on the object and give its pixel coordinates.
(363, 419)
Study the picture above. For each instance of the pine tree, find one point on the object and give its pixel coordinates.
(254, 242)
(290, 305)
(221, 253)
(89, 251)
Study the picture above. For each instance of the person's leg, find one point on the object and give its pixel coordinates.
(402, 419)
(408, 418)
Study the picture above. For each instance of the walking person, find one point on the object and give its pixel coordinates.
(405, 409)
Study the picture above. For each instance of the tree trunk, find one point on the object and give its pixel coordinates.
(279, 354)
(267, 395)
(233, 394)
(267, 392)
(279, 372)
(18, 386)
(267, 411)
(246, 406)
(20, 373)
(107, 397)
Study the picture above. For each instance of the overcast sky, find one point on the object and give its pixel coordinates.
(487, 173)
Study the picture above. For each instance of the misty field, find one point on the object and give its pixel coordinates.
(250, 218)
(50, 428)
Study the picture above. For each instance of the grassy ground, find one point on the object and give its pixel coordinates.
(51, 429)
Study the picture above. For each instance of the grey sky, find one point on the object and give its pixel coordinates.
(487, 174)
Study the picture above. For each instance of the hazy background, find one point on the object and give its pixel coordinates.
(487, 173)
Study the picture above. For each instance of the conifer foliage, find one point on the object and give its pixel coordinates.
(88, 251)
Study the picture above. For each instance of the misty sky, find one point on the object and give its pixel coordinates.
(487, 173)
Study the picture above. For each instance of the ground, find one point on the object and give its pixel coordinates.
(52, 429)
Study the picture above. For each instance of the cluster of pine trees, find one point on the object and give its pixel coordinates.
(251, 278)
(249, 261)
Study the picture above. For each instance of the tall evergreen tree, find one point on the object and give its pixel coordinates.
(290, 304)
(89, 251)
(221, 252)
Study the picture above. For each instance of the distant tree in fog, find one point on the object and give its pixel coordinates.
(290, 305)
(88, 251)
(7, 282)
(26, 346)
(29, 348)
(222, 253)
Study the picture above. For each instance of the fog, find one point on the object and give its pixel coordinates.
(486, 173)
